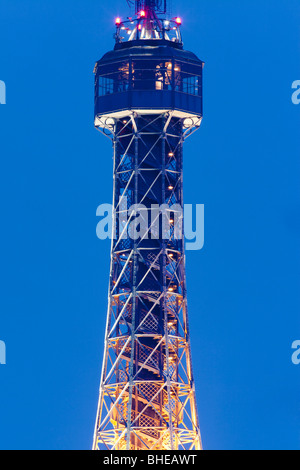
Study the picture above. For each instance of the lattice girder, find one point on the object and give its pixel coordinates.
(147, 395)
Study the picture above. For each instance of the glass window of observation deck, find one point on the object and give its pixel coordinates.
(152, 75)
(113, 78)
(188, 78)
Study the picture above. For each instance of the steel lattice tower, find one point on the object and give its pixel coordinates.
(148, 99)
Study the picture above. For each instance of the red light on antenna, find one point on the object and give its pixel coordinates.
(178, 20)
(142, 14)
(118, 21)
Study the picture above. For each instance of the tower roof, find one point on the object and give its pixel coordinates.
(149, 49)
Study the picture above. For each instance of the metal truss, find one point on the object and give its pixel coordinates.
(147, 394)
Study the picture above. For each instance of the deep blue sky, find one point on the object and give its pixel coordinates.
(243, 164)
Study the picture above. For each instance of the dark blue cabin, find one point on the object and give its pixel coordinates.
(149, 76)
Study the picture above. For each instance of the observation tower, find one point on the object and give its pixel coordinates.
(148, 100)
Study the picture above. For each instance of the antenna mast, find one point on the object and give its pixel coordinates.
(158, 6)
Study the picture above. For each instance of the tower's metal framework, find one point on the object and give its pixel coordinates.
(148, 99)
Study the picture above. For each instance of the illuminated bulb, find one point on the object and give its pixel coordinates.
(178, 20)
(118, 21)
(142, 14)
(110, 122)
(188, 122)
(171, 154)
(170, 187)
